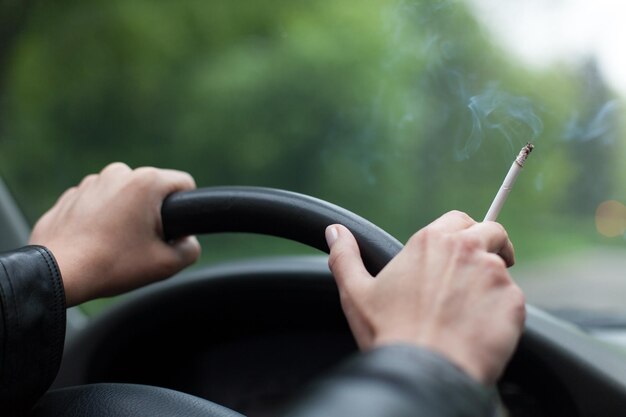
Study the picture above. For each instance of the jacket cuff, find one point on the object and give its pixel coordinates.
(32, 325)
(399, 381)
(441, 387)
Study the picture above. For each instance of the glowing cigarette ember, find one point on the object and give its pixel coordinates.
(508, 182)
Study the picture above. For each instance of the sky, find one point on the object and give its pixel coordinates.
(544, 32)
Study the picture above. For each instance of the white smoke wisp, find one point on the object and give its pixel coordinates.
(512, 118)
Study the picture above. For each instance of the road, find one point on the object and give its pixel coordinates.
(592, 279)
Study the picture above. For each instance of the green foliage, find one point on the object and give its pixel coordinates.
(363, 103)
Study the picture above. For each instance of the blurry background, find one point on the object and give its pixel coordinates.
(398, 110)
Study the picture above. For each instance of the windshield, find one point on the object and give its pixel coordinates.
(398, 110)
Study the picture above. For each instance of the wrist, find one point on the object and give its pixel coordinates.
(70, 269)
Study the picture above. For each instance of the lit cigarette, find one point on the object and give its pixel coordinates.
(508, 182)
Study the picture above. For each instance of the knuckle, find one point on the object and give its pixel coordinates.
(462, 216)
(495, 263)
(425, 236)
(147, 172)
(421, 238)
(469, 243)
(418, 237)
(87, 180)
(495, 271)
(338, 257)
(115, 167)
(501, 230)
(68, 193)
(145, 177)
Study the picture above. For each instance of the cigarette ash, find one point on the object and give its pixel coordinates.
(524, 153)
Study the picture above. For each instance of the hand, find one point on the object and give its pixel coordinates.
(447, 290)
(106, 233)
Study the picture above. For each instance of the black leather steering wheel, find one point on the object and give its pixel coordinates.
(210, 210)
(273, 212)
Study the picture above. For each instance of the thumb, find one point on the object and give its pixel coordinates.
(345, 258)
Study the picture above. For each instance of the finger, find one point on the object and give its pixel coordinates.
(493, 238)
(188, 250)
(179, 254)
(452, 221)
(168, 180)
(179, 180)
(345, 259)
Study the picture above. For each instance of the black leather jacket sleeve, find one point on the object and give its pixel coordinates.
(32, 326)
(396, 381)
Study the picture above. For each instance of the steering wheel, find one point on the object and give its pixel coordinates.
(211, 210)
(273, 212)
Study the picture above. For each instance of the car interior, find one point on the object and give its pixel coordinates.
(379, 115)
(249, 334)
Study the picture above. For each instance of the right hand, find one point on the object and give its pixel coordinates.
(447, 290)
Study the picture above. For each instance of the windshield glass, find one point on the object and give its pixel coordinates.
(398, 110)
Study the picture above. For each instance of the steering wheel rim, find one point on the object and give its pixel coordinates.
(273, 212)
(118, 400)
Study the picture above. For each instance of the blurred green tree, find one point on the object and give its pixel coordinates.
(365, 103)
